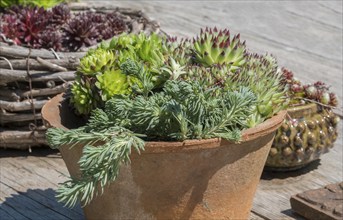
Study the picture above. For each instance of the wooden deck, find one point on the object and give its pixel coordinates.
(305, 36)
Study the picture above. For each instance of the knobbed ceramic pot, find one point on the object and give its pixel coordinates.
(194, 179)
(308, 132)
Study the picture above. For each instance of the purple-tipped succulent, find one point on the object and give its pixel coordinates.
(24, 25)
(51, 39)
(39, 28)
(110, 26)
(86, 29)
(215, 46)
(80, 32)
(300, 94)
(9, 27)
(60, 14)
(32, 23)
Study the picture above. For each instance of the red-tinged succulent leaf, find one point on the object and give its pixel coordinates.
(9, 27)
(51, 39)
(32, 22)
(60, 14)
(39, 28)
(333, 99)
(298, 93)
(80, 32)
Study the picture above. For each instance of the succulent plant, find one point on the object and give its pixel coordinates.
(129, 63)
(50, 39)
(32, 26)
(60, 14)
(85, 96)
(96, 61)
(262, 76)
(154, 89)
(80, 32)
(110, 26)
(9, 27)
(301, 94)
(112, 82)
(32, 23)
(180, 52)
(216, 47)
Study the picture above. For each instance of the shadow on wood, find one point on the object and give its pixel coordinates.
(36, 204)
(269, 175)
(41, 152)
(291, 213)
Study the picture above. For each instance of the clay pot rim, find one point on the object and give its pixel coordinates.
(263, 129)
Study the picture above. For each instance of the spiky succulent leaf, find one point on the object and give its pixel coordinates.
(96, 61)
(261, 75)
(60, 14)
(299, 94)
(184, 110)
(85, 96)
(32, 26)
(215, 46)
(51, 39)
(139, 47)
(112, 82)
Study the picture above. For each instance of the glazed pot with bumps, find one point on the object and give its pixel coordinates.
(307, 132)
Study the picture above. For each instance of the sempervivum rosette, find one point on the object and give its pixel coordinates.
(217, 47)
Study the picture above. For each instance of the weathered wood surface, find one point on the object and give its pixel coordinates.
(305, 36)
(21, 64)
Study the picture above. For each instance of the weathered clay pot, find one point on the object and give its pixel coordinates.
(306, 134)
(195, 179)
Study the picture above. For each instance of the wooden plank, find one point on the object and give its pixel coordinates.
(11, 212)
(36, 76)
(46, 199)
(25, 206)
(5, 215)
(70, 64)
(254, 216)
(36, 173)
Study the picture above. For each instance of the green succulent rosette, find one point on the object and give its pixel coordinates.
(216, 47)
(85, 96)
(262, 76)
(96, 61)
(112, 82)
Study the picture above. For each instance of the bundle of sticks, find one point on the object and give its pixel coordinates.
(30, 77)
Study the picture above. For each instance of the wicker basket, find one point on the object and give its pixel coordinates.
(29, 77)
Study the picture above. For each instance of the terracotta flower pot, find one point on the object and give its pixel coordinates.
(308, 133)
(195, 179)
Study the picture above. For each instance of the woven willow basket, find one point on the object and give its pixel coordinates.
(30, 77)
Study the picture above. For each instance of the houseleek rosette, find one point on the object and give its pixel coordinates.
(112, 82)
(103, 65)
(217, 47)
(96, 61)
(262, 76)
(299, 93)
